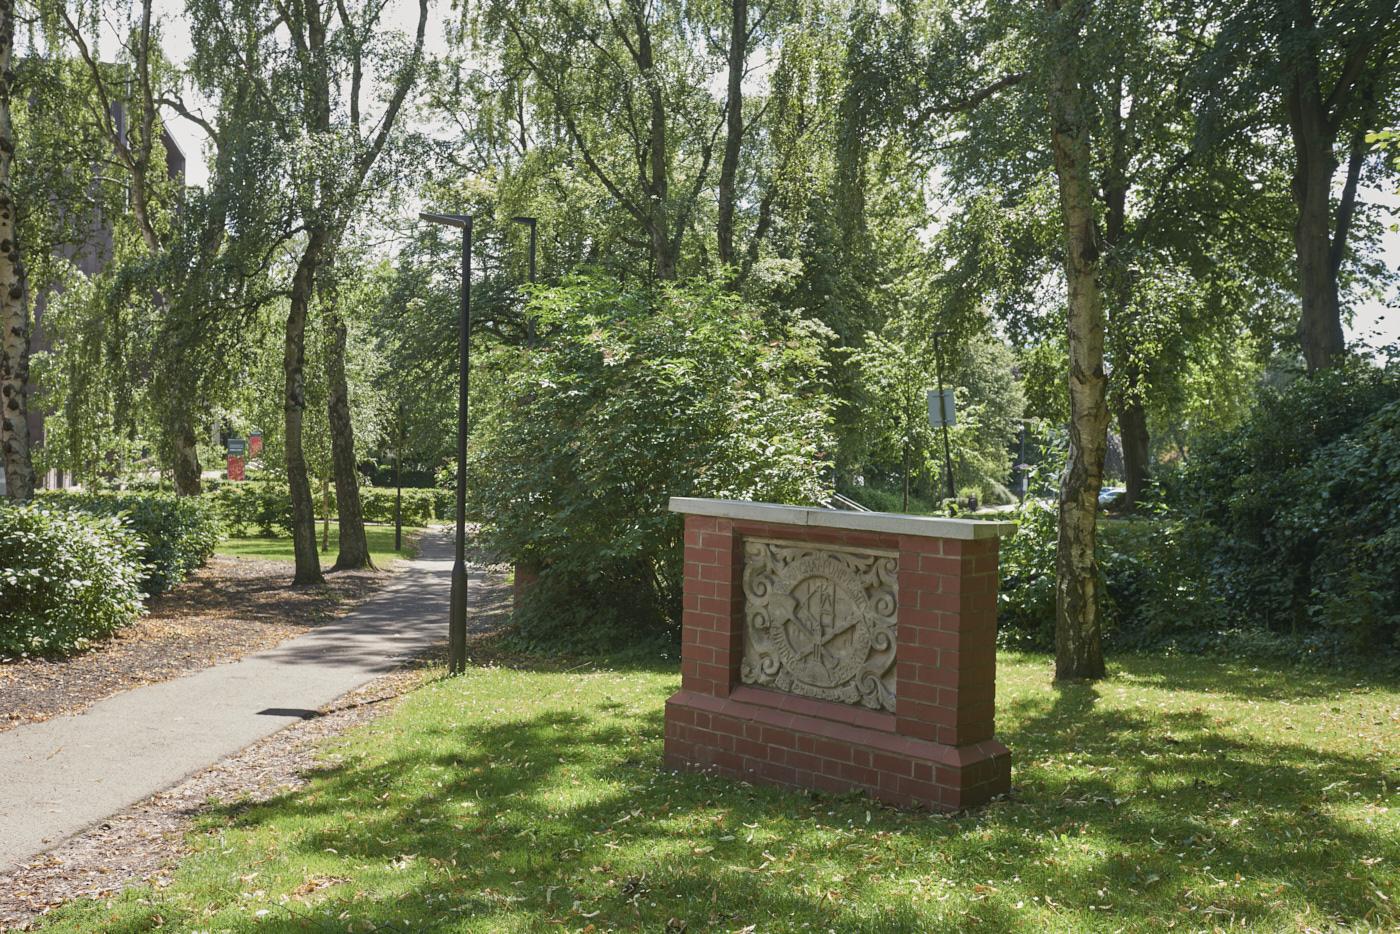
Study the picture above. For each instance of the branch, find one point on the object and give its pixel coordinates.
(178, 105)
(1350, 75)
(406, 80)
(968, 103)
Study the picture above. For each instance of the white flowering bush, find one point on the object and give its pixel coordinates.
(66, 578)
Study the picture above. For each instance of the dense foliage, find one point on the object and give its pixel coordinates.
(1305, 501)
(260, 506)
(1282, 536)
(264, 507)
(66, 578)
(639, 396)
(175, 534)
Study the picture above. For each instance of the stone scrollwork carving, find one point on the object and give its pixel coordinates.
(820, 622)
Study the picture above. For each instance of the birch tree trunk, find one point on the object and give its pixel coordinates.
(186, 455)
(308, 563)
(14, 293)
(1078, 620)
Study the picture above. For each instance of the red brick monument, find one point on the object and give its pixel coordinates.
(840, 650)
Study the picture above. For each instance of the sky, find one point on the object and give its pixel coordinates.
(1373, 322)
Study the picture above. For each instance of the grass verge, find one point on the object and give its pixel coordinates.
(379, 537)
(1178, 795)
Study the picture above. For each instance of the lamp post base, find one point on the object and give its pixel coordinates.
(457, 624)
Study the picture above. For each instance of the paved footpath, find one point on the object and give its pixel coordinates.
(61, 776)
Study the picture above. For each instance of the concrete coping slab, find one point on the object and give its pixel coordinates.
(893, 523)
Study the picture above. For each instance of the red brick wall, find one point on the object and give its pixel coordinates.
(936, 750)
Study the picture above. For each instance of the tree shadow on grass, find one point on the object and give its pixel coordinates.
(555, 836)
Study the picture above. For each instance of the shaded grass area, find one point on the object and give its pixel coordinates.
(1179, 794)
(279, 548)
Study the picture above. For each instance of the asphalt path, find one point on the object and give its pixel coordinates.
(61, 776)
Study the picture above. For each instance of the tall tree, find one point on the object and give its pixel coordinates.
(1178, 218)
(14, 292)
(1323, 72)
(300, 72)
(1078, 602)
(121, 107)
(622, 83)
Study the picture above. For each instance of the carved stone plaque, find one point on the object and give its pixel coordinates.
(820, 622)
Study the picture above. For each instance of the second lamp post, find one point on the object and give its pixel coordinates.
(457, 614)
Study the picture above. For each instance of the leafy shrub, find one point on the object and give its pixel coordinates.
(1155, 572)
(262, 505)
(177, 533)
(635, 398)
(1305, 502)
(1026, 601)
(419, 505)
(267, 506)
(1150, 571)
(66, 578)
(1279, 538)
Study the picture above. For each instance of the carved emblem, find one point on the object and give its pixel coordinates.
(820, 623)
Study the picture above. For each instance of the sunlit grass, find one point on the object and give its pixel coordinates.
(380, 539)
(1179, 794)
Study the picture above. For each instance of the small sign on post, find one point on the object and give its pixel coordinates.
(237, 447)
(940, 409)
(255, 444)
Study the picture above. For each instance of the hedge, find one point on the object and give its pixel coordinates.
(177, 533)
(267, 507)
(66, 578)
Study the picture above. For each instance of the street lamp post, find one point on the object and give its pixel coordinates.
(398, 488)
(457, 614)
(529, 322)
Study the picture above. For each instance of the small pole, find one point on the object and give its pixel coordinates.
(1024, 468)
(943, 415)
(530, 322)
(398, 493)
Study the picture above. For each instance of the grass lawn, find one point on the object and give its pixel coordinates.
(1178, 795)
(380, 537)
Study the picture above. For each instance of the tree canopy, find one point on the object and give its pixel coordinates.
(1118, 217)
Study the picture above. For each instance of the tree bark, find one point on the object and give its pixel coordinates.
(1320, 319)
(14, 294)
(734, 133)
(1314, 122)
(664, 242)
(1078, 619)
(325, 514)
(1119, 294)
(354, 547)
(308, 563)
(1137, 443)
(186, 457)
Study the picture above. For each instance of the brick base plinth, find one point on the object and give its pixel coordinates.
(780, 739)
(935, 748)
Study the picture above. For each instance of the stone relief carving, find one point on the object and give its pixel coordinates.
(820, 622)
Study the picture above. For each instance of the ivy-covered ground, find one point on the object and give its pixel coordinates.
(1179, 794)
